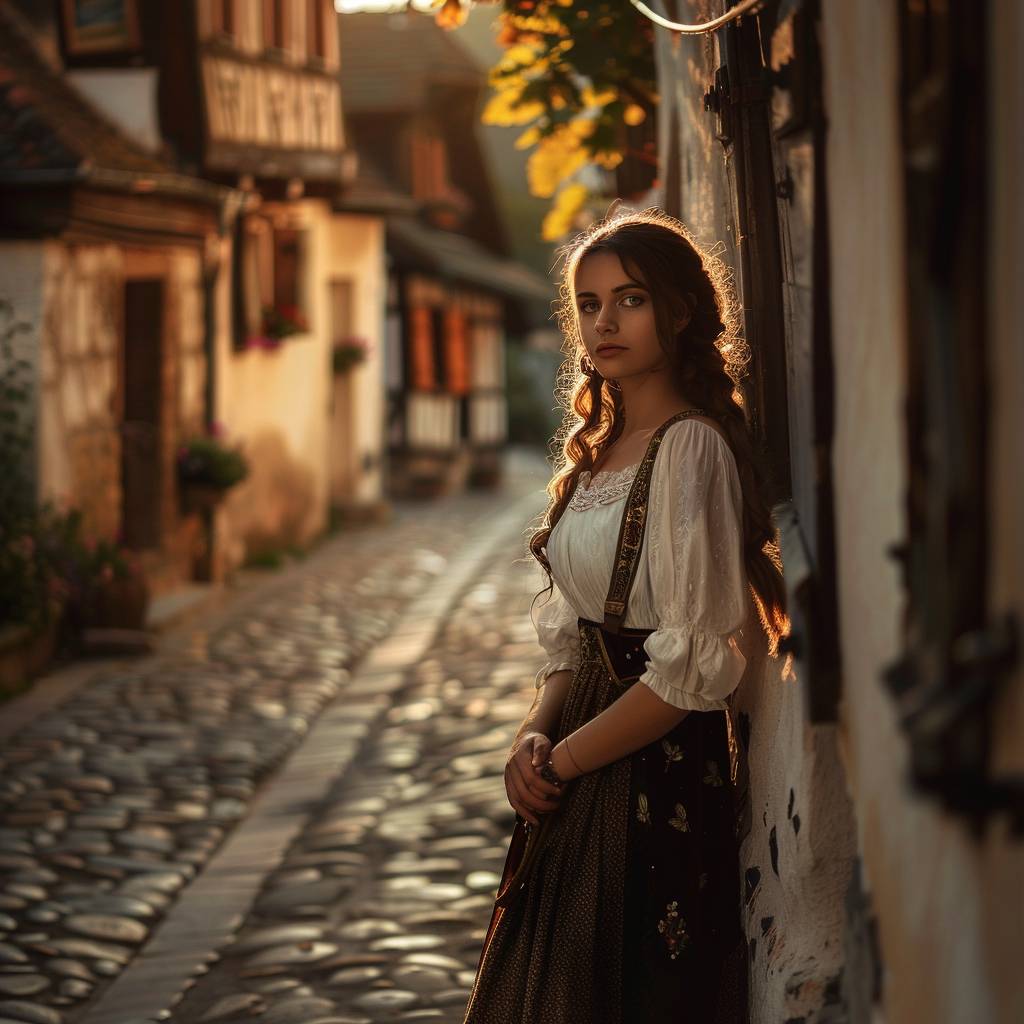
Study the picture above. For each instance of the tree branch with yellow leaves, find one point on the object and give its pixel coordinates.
(575, 76)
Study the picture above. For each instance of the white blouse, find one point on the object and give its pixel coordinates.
(690, 585)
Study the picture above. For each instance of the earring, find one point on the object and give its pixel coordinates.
(587, 366)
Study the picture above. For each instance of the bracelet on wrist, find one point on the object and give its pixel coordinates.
(549, 774)
(571, 758)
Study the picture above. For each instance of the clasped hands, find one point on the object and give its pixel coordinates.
(528, 793)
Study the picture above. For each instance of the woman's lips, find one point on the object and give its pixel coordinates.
(611, 350)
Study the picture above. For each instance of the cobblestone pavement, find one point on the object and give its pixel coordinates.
(111, 803)
(378, 911)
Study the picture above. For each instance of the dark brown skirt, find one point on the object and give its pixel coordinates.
(629, 912)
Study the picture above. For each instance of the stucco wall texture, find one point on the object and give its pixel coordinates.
(277, 403)
(837, 838)
(796, 857)
(949, 908)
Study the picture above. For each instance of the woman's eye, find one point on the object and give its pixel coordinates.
(639, 300)
(586, 307)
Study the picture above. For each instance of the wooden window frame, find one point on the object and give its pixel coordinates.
(316, 34)
(275, 28)
(740, 101)
(257, 279)
(224, 18)
(956, 657)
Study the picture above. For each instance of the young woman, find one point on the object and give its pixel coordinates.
(620, 898)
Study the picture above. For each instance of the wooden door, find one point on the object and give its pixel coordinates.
(142, 477)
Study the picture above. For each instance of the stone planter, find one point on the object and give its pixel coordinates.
(197, 498)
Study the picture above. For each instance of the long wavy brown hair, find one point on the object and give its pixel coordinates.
(707, 360)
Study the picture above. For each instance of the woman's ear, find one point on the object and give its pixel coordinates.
(686, 313)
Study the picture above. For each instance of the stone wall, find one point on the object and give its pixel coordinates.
(73, 298)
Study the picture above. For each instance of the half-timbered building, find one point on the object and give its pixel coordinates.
(455, 298)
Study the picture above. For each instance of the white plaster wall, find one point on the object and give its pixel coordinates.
(356, 251)
(127, 96)
(276, 404)
(949, 909)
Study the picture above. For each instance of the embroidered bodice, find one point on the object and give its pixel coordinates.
(606, 486)
(690, 586)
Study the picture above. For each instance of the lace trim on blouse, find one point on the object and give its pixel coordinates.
(607, 486)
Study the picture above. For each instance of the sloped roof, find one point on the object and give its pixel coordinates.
(389, 61)
(371, 192)
(415, 244)
(49, 132)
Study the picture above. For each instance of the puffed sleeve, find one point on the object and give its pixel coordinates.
(698, 577)
(557, 633)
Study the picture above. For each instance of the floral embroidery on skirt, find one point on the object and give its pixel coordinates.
(630, 910)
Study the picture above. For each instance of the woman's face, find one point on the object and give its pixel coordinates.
(616, 317)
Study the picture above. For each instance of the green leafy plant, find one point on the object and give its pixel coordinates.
(31, 589)
(36, 557)
(206, 461)
(349, 352)
(49, 570)
(16, 431)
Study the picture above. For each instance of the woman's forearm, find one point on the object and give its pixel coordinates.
(635, 719)
(544, 715)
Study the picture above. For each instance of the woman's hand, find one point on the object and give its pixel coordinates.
(528, 793)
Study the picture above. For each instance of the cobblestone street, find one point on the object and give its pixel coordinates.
(378, 910)
(351, 821)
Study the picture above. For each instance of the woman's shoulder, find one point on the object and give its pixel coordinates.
(696, 446)
(695, 430)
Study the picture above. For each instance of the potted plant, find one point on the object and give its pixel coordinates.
(113, 592)
(208, 469)
(283, 321)
(33, 593)
(279, 322)
(349, 352)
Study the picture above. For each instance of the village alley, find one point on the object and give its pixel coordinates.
(300, 806)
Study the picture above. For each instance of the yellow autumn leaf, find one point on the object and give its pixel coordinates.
(539, 23)
(451, 14)
(557, 157)
(634, 114)
(528, 138)
(591, 98)
(501, 109)
(517, 56)
(559, 220)
(608, 159)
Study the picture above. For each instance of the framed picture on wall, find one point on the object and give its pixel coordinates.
(100, 26)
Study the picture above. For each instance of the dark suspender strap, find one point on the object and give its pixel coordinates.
(631, 529)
